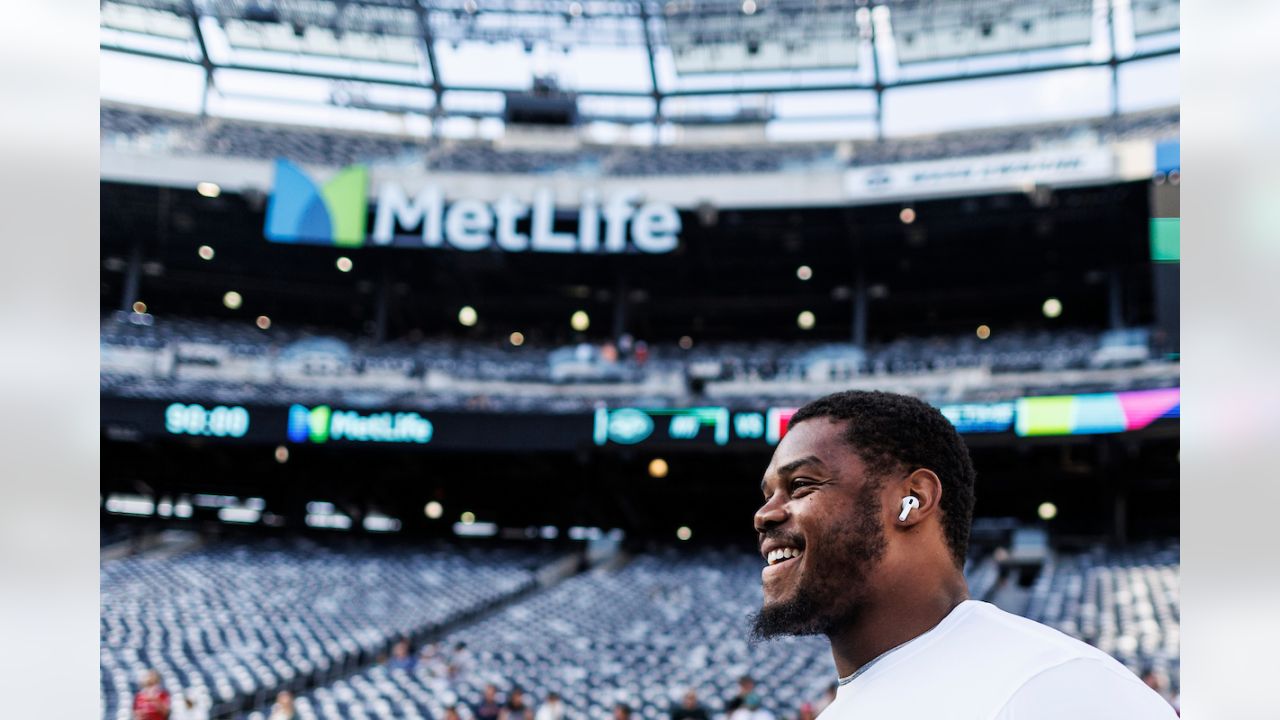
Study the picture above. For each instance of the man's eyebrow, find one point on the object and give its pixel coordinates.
(796, 465)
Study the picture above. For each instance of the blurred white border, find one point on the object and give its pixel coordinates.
(48, 360)
(1230, 257)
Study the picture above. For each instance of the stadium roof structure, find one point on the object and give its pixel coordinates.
(689, 49)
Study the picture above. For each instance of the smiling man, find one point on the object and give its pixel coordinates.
(864, 527)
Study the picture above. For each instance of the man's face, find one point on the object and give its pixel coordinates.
(820, 532)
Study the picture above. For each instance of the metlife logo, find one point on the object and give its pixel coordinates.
(301, 211)
(322, 423)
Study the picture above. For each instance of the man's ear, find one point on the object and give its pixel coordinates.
(926, 488)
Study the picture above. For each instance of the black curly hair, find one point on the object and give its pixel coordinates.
(894, 433)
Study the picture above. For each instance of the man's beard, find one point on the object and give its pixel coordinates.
(831, 594)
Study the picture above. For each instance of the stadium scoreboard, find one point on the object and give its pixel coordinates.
(706, 427)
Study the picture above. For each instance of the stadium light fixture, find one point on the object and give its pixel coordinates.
(806, 320)
(907, 215)
(208, 189)
(468, 316)
(433, 510)
(1052, 307)
(140, 307)
(263, 322)
(239, 515)
(580, 321)
(377, 522)
(205, 252)
(468, 517)
(983, 332)
(130, 504)
(683, 532)
(282, 454)
(232, 300)
(344, 264)
(1047, 511)
(658, 468)
(804, 272)
(475, 529)
(517, 338)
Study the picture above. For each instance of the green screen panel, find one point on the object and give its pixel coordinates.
(1166, 236)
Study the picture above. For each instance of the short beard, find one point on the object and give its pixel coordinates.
(801, 615)
(833, 597)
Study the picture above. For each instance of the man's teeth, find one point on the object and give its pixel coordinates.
(777, 556)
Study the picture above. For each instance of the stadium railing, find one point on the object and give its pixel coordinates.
(168, 358)
(162, 132)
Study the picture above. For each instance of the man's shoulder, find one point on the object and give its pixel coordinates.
(1059, 670)
(1007, 632)
(1086, 687)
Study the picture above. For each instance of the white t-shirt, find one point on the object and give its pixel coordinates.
(746, 713)
(982, 663)
(550, 711)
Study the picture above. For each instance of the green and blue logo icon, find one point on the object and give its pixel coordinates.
(302, 212)
(309, 423)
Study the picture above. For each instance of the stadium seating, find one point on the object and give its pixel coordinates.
(664, 623)
(1126, 604)
(188, 135)
(236, 362)
(643, 634)
(240, 621)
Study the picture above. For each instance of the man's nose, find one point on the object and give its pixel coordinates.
(771, 514)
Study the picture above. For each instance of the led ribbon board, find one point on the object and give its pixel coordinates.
(1042, 416)
(979, 417)
(628, 426)
(1095, 413)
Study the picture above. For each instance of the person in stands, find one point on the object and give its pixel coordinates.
(746, 686)
(489, 708)
(751, 710)
(689, 708)
(552, 709)
(283, 708)
(401, 657)
(516, 707)
(152, 701)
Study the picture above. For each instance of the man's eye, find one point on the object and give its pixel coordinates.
(797, 485)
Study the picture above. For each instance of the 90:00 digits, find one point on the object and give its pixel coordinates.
(218, 421)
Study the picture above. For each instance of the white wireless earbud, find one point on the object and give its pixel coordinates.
(908, 503)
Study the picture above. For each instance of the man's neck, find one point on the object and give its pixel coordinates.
(899, 616)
